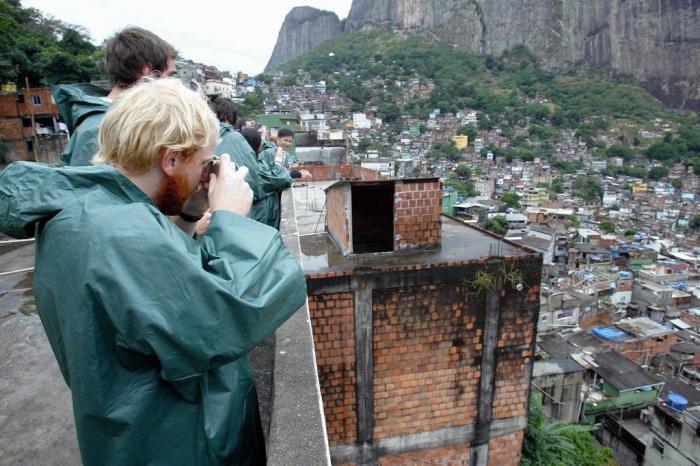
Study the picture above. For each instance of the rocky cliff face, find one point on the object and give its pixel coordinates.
(303, 29)
(655, 41)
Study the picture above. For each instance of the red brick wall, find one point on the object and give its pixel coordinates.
(338, 218)
(505, 450)
(596, 319)
(341, 172)
(417, 209)
(47, 105)
(11, 129)
(637, 350)
(333, 323)
(427, 348)
(8, 104)
(690, 319)
(516, 328)
(455, 455)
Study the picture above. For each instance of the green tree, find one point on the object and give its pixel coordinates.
(463, 171)
(252, 105)
(469, 131)
(511, 199)
(630, 232)
(662, 151)
(677, 183)
(43, 50)
(556, 443)
(444, 150)
(657, 173)
(606, 226)
(620, 150)
(364, 144)
(695, 222)
(557, 186)
(575, 222)
(498, 225)
(463, 187)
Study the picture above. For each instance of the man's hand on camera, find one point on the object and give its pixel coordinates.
(197, 203)
(228, 190)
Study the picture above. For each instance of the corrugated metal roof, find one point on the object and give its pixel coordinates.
(622, 373)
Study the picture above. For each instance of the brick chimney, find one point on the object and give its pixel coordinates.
(385, 216)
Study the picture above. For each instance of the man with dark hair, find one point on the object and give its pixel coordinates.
(131, 54)
(285, 140)
(266, 181)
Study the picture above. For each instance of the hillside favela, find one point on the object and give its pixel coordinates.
(404, 232)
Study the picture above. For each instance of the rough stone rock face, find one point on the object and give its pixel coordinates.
(655, 41)
(303, 29)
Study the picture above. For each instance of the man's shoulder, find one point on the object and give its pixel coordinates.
(99, 213)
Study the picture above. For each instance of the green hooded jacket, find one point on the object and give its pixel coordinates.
(151, 328)
(276, 178)
(82, 107)
(266, 182)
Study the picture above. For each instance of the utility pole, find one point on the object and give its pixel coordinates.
(31, 110)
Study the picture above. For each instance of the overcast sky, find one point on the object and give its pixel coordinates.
(233, 35)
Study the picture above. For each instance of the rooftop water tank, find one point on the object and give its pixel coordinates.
(677, 401)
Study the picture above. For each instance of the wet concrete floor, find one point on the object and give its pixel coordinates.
(36, 417)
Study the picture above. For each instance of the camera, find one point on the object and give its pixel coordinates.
(213, 166)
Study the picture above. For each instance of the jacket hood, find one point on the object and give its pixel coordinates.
(225, 128)
(32, 193)
(78, 101)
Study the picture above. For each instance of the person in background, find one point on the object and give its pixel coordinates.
(131, 54)
(285, 141)
(267, 182)
(151, 328)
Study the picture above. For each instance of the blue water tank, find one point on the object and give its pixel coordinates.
(625, 274)
(677, 401)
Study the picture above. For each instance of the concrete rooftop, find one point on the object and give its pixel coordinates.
(319, 253)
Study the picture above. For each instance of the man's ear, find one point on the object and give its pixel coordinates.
(146, 70)
(168, 161)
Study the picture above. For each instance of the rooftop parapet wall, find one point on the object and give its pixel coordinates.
(341, 172)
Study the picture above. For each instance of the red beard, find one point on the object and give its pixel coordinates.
(172, 193)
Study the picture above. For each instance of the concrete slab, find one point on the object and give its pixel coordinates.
(36, 414)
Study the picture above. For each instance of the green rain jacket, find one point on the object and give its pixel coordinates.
(276, 177)
(151, 328)
(266, 182)
(82, 107)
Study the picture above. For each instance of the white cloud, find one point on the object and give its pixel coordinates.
(231, 35)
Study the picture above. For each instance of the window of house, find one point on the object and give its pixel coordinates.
(36, 100)
(658, 446)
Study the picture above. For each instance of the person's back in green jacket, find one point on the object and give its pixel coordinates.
(151, 329)
(266, 182)
(82, 107)
(277, 177)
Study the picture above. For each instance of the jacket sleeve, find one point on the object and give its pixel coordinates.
(193, 307)
(240, 151)
(274, 178)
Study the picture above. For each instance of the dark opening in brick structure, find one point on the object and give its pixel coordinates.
(373, 218)
(385, 215)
